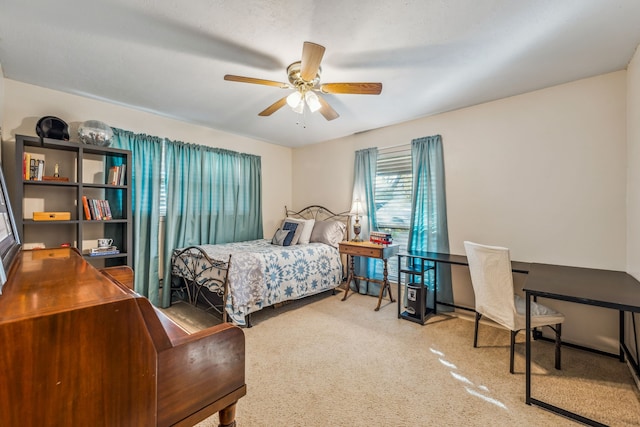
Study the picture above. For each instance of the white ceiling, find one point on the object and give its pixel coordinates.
(169, 56)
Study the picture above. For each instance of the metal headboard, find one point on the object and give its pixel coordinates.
(320, 213)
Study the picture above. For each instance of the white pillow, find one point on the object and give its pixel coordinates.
(306, 231)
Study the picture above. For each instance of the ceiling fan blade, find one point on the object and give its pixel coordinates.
(274, 107)
(311, 57)
(241, 79)
(327, 110)
(355, 88)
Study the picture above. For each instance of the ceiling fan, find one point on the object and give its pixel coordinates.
(304, 78)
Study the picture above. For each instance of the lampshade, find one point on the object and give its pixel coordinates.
(299, 108)
(295, 99)
(312, 101)
(357, 208)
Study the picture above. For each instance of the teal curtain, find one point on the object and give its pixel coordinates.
(146, 158)
(429, 230)
(236, 186)
(364, 185)
(213, 196)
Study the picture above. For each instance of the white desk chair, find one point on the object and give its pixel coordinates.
(492, 280)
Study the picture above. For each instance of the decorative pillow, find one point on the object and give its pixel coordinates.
(288, 224)
(328, 232)
(306, 231)
(280, 237)
(284, 235)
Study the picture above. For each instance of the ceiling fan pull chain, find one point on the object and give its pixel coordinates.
(303, 120)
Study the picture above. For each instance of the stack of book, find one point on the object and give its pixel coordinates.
(32, 166)
(96, 209)
(380, 238)
(109, 250)
(116, 175)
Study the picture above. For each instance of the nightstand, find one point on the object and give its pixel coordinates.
(369, 250)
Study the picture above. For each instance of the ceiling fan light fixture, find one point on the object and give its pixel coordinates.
(312, 101)
(304, 77)
(300, 107)
(294, 99)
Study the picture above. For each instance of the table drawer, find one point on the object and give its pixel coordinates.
(361, 251)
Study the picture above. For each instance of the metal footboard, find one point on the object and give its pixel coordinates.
(198, 277)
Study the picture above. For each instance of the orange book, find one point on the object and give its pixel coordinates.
(85, 204)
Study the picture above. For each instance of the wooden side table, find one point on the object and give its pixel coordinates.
(369, 250)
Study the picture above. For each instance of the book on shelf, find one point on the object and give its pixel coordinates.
(96, 209)
(100, 249)
(85, 205)
(116, 175)
(109, 250)
(32, 166)
(26, 166)
(123, 169)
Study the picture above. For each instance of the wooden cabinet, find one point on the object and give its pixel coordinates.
(83, 172)
(82, 349)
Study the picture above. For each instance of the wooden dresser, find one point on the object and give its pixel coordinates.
(79, 348)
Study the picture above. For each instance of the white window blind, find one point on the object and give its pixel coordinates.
(393, 188)
(163, 183)
(394, 182)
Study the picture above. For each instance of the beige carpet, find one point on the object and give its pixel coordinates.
(324, 362)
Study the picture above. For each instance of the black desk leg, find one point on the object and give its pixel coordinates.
(435, 287)
(621, 331)
(528, 350)
(399, 286)
(435, 290)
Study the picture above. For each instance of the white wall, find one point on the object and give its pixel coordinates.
(1, 105)
(24, 104)
(543, 173)
(633, 166)
(633, 179)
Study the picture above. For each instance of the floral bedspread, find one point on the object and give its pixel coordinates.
(263, 274)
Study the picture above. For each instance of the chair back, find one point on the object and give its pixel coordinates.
(492, 281)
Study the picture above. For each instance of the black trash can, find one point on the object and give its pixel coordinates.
(415, 299)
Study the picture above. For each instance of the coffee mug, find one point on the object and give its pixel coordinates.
(104, 243)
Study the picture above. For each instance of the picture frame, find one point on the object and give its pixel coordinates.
(9, 238)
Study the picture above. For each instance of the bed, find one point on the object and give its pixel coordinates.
(237, 279)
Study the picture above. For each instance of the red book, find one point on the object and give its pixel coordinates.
(85, 204)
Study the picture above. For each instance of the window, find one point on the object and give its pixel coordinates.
(393, 199)
(163, 183)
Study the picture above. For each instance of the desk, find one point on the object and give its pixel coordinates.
(369, 250)
(442, 258)
(604, 288)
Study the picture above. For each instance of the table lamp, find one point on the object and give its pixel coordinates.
(357, 209)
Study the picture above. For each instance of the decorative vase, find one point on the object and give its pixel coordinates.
(95, 132)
